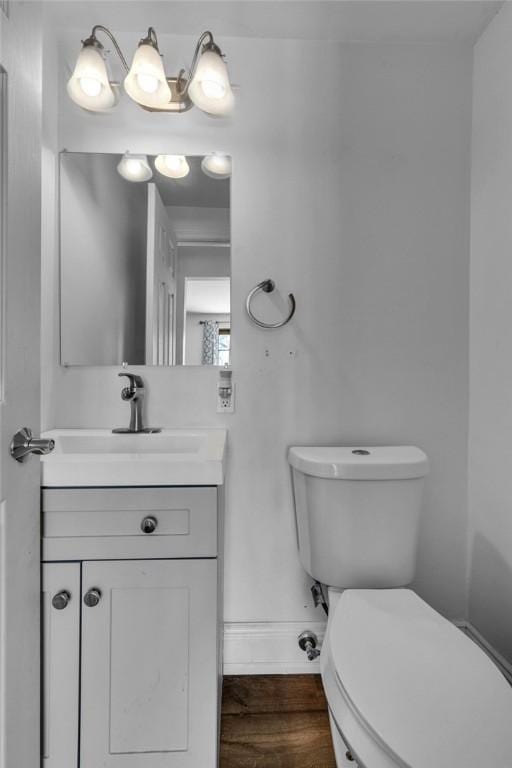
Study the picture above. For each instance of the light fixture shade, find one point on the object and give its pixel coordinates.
(210, 89)
(173, 166)
(134, 167)
(146, 82)
(216, 166)
(89, 85)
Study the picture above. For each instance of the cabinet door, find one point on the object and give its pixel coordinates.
(61, 664)
(149, 665)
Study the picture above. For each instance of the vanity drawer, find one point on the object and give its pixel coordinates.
(103, 523)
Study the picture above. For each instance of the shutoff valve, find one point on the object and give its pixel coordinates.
(308, 643)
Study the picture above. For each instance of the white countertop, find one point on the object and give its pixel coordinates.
(96, 457)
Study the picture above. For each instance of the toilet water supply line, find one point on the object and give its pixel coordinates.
(308, 640)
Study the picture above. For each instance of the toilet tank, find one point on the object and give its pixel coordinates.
(357, 511)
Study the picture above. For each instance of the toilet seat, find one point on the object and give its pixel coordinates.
(407, 688)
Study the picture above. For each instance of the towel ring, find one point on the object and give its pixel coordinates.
(267, 286)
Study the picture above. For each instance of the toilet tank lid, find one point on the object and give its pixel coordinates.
(360, 462)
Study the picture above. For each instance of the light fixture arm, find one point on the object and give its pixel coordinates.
(186, 77)
(150, 39)
(93, 40)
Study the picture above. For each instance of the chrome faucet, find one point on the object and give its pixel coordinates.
(134, 394)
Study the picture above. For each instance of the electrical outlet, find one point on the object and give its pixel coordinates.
(226, 404)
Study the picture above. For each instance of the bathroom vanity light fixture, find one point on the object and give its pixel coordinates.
(146, 83)
(217, 166)
(173, 166)
(90, 86)
(206, 84)
(134, 167)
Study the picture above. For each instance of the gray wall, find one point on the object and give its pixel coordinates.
(358, 202)
(490, 445)
(103, 228)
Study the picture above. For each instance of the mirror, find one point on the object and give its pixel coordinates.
(145, 265)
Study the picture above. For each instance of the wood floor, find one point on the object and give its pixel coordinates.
(275, 721)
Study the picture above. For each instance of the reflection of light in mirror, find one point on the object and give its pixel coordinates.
(134, 167)
(217, 166)
(173, 166)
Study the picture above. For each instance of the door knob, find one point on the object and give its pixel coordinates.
(149, 524)
(92, 597)
(23, 443)
(61, 599)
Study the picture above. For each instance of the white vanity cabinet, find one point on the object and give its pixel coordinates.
(131, 657)
(60, 664)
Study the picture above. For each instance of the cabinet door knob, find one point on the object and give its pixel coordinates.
(61, 599)
(149, 525)
(92, 597)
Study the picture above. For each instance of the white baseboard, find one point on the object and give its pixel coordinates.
(503, 665)
(268, 648)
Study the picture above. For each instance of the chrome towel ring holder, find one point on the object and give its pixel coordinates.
(267, 286)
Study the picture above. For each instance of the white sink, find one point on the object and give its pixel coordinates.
(96, 457)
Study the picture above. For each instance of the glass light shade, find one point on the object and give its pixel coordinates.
(146, 83)
(217, 166)
(134, 167)
(173, 166)
(89, 86)
(210, 89)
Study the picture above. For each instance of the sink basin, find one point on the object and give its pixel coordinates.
(96, 457)
(156, 443)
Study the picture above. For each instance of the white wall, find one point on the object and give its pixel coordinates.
(357, 200)
(490, 606)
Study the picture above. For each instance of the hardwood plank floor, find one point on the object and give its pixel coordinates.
(275, 721)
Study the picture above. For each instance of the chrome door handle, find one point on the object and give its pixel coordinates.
(23, 443)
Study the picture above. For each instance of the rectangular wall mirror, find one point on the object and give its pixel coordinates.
(145, 266)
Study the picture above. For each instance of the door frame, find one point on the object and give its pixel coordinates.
(20, 246)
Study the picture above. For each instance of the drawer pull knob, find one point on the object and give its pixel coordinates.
(149, 525)
(92, 597)
(61, 599)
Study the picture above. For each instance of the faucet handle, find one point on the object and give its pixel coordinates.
(135, 381)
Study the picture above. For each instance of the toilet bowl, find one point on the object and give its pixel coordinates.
(405, 687)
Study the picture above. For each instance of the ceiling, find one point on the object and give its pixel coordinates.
(337, 20)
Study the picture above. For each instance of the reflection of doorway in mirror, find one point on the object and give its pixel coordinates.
(165, 329)
(207, 319)
(160, 283)
(171, 324)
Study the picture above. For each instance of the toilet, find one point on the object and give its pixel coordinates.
(405, 687)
